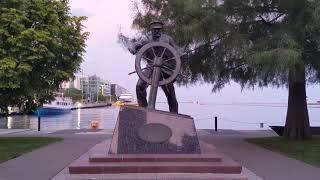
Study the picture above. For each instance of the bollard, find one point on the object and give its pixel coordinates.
(94, 124)
(216, 123)
(261, 125)
(39, 121)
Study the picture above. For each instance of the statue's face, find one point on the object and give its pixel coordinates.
(156, 33)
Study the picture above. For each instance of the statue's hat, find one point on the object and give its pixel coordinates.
(156, 25)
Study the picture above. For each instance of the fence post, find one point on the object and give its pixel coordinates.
(261, 125)
(216, 123)
(39, 122)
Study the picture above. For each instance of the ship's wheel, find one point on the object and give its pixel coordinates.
(164, 56)
(157, 64)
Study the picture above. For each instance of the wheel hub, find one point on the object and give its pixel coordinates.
(157, 62)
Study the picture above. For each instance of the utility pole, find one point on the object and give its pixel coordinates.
(98, 93)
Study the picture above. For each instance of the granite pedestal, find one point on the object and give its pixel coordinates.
(143, 131)
(151, 141)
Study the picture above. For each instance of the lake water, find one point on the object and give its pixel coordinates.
(230, 116)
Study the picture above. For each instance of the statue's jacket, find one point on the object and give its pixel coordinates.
(136, 45)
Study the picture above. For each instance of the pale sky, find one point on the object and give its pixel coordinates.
(107, 59)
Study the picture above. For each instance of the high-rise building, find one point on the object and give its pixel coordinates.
(75, 83)
(90, 87)
(72, 83)
(106, 88)
(93, 86)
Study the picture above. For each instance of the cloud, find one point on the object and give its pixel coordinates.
(80, 12)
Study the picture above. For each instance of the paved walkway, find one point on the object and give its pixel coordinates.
(45, 163)
(12, 131)
(264, 163)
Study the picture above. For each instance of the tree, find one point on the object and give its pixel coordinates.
(102, 98)
(113, 98)
(74, 94)
(41, 45)
(252, 42)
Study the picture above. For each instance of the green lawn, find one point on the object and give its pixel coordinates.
(11, 147)
(307, 151)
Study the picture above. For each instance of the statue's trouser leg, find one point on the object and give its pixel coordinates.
(171, 97)
(141, 91)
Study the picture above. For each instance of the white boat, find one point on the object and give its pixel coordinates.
(126, 97)
(58, 106)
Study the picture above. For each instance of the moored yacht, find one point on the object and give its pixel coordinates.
(126, 97)
(58, 106)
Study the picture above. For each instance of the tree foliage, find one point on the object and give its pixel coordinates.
(73, 93)
(252, 42)
(102, 98)
(41, 45)
(225, 39)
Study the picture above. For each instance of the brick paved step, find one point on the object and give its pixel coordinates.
(157, 176)
(103, 157)
(224, 167)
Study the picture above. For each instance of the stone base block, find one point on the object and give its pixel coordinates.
(97, 162)
(102, 157)
(143, 131)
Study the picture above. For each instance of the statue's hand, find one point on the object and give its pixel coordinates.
(132, 51)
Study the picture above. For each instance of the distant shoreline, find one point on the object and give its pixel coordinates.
(100, 105)
(89, 106)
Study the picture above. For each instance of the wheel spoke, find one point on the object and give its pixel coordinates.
(163, 78)
(169, 59)
(146, 58)
(168, 65)
(165, 69)
(164, 50)
(154, 54)
(148, 67)
(149, 60)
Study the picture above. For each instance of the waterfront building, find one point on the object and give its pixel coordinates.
(65, 85)
(106, 88)
(117, 90)
(92, 86)
(75, 83)
(72, 83)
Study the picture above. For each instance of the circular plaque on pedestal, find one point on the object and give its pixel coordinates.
(155, 133)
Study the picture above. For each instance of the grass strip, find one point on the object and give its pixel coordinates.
(307, 151)
(12, 147)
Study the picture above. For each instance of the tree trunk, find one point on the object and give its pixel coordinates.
(297, 122)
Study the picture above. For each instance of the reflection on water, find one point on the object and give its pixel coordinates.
(77, 119)
(237, 116)
(15, 122)
(10, 122)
